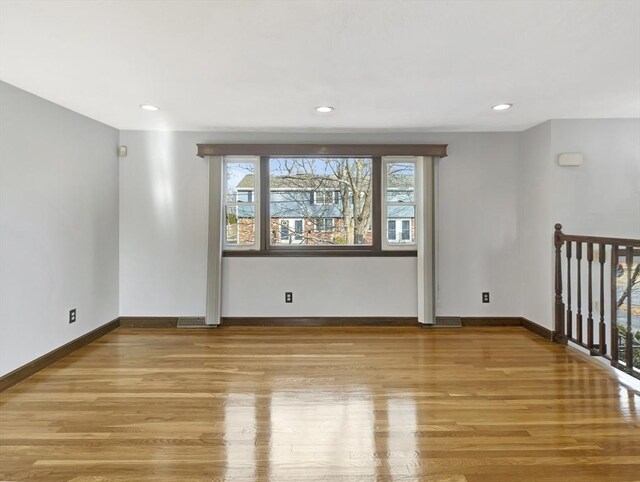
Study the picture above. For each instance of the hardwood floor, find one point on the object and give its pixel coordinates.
(321, 404)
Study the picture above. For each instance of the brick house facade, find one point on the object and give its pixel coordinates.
(306, 211)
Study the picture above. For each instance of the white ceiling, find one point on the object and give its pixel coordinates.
(384, 65)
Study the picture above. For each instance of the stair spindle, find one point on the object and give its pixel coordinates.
(590, 296)
(579, 293)
(602, 337)
(569, 318)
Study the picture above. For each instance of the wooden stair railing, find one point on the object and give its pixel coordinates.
(618, 342)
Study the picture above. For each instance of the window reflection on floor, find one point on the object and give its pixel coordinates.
(240, 435)
(322, 429)
(403, 453)
(629, 402)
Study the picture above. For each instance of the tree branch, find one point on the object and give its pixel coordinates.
(634, 280)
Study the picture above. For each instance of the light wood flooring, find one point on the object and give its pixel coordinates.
(321, 404)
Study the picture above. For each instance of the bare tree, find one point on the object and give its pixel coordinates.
(630, 285)
(351, 177)
(635, 283)
(354, 176)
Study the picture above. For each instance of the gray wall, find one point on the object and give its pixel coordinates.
(599, 198)
(500, 195)
(58, 225)
(535, 223)
(163, 236)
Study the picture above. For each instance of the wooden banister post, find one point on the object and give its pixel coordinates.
(559, 329)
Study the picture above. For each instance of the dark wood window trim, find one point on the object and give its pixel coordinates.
(265, 215)
(317, 253)
(376, 206)
(323, 150)
(375, 152)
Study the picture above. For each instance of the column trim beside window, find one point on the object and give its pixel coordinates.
(215, 241)
(425, 207)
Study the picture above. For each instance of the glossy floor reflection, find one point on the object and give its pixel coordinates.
(321, 404)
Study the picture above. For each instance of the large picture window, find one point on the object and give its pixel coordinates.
(330, 199)
(321, 205)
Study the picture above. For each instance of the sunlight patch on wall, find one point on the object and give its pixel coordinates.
(162, 177)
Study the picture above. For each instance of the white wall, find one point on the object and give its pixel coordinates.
(361, 286)
(163, 235)
(58, 226)
(535, 198)
(164, 200)
(478, 245)
(599, 198)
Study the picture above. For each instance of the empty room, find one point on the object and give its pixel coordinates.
(320, 240)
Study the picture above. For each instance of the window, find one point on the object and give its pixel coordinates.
(305, 189)
(391, 230)
(244, 196)
(324, 197)
(291, 231)
(284, 230)
(399, 199)
(240, 203)
(406, 230)
(323, 225)
(399, 230)
(342, 205)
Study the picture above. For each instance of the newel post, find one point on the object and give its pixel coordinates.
(559, 331)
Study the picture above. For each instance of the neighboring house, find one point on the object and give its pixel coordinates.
(308, 209)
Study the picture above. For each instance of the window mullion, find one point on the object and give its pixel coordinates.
(376, 209)
(265, 208)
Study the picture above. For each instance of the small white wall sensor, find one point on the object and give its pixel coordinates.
(570, 159)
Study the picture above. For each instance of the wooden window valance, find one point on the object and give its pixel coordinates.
(307, 150)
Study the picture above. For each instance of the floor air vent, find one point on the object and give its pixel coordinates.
(447, 322)
(192, 323)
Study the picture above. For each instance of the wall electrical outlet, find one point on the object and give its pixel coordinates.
(485, 297)
(288, 296)
(72, 316)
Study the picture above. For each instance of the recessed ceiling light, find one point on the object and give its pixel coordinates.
(502, 106)
(149, 107)
(324, 109)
